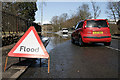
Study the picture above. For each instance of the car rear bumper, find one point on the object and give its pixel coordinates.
(89, 39)
(64, 32)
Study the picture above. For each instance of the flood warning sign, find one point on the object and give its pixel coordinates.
(29, 45)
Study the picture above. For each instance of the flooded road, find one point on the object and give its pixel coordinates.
(55, 40)
(69, 60)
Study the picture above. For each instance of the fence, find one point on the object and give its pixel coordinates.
(13, 26)
(114, 29)
(14, 23)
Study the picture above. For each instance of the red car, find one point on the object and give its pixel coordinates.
(92, 31)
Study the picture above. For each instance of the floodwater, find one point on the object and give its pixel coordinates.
(55, 39)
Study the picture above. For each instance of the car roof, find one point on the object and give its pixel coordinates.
(91, 19)
(94, 19)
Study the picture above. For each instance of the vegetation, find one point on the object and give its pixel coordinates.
(25, 10)
(82, 13)
(17, 16)
(63, 21)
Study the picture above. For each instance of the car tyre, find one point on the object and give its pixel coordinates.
(72, 40)
(80, 42)
(107, 43)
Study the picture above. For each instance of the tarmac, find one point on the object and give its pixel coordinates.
(14, 70)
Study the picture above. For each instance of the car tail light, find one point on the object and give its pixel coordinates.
(107, 23)
(84, 25)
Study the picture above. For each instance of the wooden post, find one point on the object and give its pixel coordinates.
(6, 63)
(48, 64)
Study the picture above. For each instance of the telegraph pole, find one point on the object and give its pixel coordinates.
(42, 12)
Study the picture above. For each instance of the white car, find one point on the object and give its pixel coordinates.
(64, 30)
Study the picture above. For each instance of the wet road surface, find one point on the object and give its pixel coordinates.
(69, 60)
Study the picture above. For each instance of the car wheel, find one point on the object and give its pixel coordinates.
(80, 42)
(72, 40)
(107, 43)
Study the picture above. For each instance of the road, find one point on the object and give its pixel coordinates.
(72, 61)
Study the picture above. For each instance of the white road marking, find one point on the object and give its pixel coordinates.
(18, 73)
(112, 48)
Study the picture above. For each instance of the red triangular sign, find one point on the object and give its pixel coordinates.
(29, 46)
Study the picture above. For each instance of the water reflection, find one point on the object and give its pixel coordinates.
(55, 39)
(65, 36)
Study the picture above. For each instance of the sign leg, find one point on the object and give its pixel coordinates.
(6, 63)
(48, 64)
(40, 62)
(19, 59)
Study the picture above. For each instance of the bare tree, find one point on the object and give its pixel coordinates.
(96, 10)
(113, 9)
(62, 18)
(116, 6)
(54, 22)
(83, 12)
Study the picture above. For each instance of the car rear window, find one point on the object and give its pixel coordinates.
(64, 29)
(96, 23)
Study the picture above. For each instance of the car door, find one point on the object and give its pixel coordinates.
(78, 29)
